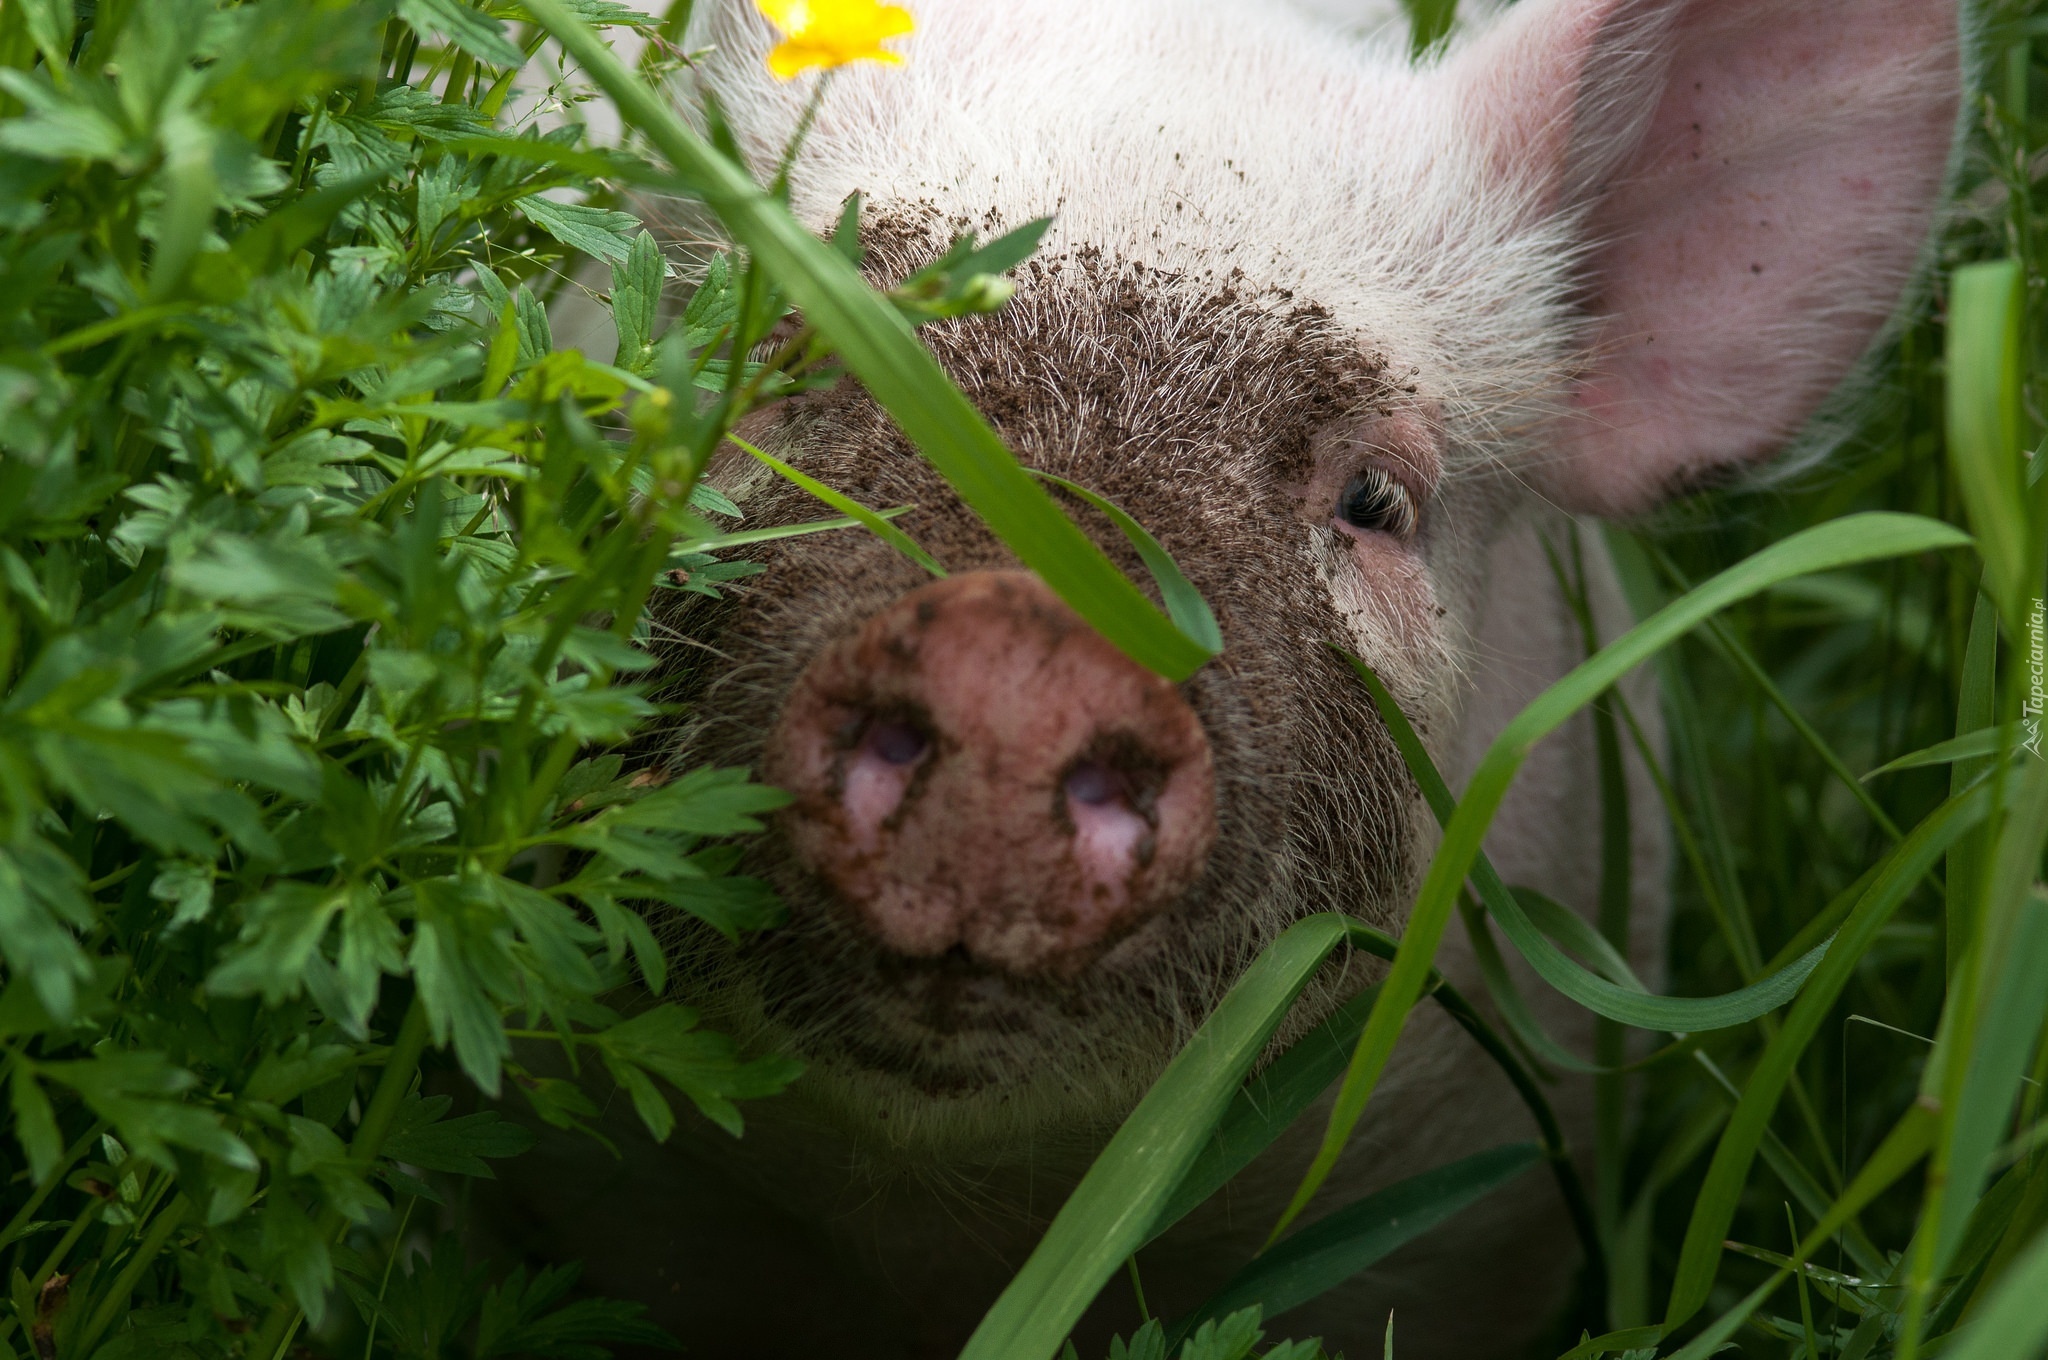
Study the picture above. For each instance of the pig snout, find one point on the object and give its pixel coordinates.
(975, 769)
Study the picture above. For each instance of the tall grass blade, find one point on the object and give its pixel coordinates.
(880, 348)
(1856, 538)
(1976, 710)
(1714, 1207)
(2018, 1002)
(2013, 1322)
(1266, 1105)
(1703, 834)
(1111, 1212)
(1628, 1004)
(1429, 23)
(1184, 604)
(1336, 1247)
(868, 519)
(1986, 308)
(1988, 1029)
(1970, 751)
(1900, 1151)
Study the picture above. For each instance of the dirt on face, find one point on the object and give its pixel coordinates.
(1194, 404)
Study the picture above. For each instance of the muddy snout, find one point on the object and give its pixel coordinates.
(977, 769)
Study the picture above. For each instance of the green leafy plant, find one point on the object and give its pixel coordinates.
(323, 575)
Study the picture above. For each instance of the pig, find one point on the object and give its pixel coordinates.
(1355, 336)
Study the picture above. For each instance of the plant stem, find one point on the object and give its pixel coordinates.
(1555, 1149)
(51, 1182)
(399, 1069)
(145, 1256)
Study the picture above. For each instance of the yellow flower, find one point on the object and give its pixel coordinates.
(832, 33)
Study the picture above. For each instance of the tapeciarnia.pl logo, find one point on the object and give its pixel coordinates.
(2037, 677)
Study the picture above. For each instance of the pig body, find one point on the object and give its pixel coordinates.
(1353, 338)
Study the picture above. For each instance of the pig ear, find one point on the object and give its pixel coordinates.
(1754, 182)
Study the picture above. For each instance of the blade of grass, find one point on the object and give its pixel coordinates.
(1976, 710)
(1793, 1175)
(1739, 656)
(1970, 751)
(881, 349)
(1507, 997)
(1111, 1212)
(1628, 1004)
(2013, 1322)
(1184, 604)
(1714, 1207)
(1429, 23)
(1705, 833)
(1610, 1041)
(1336, 1247)
(1987, 304)
(1901, 1149)
(1163, 1160)
(846, 505)
(740, 538)
(1265, 1106)
(1987, 1032)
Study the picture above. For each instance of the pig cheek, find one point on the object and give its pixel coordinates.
(1384, 593)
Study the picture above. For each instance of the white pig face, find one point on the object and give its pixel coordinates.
(1323, 320)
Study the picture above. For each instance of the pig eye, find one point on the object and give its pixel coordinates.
(1376, 500)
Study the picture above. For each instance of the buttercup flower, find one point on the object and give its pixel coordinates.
(829, 33)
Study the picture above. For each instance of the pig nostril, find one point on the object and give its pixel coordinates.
(1092, 784)
(896, 742)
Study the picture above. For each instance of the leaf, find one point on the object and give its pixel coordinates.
(59, 127)
(702, 1065)
(520, 1319)
(285, 925)
(50, 24)
(460, 958)
(536, 341)
(731, 906)
(598, 232)
(139, 1094)
(284, 1076)
(1184, 604)
(704, 802)
(1986, 308)
(459, 1145)
(475, 33)
(846, 505)
(636, 295)
(35, 1124)
(42, 904)
(1230, 1338)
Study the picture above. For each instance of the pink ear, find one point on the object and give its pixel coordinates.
(1757, 180)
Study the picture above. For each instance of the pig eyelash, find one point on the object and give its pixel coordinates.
(1375, 500)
